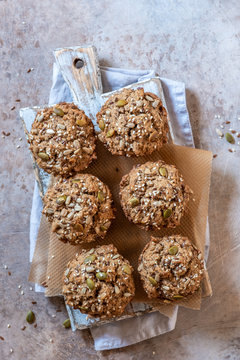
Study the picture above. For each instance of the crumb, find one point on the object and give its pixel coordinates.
(214, 156)
(6, 134)
(18, 100)
(13, 108)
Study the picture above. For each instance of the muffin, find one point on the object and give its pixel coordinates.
(133, 122)
(153, 195)
(79, 208)
(170, 268)
(99, 282)
(62, 139)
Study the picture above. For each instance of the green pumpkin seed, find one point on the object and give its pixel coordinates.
(61, 200)
(78, 227)
(176, 297)
(173, 250)
(167, 213)
(43, 156)
(134, 201)
(152, 281)
(163, 171)
(75, 180)
(67, 323)
(110, 133)
(103, 228)
(83, 308)
(100, 196)
(89, 259)
(90, 284)
(30, 318)
(121, 103)
(101, 275)
(101, 125)
(58, 111)
(81, 122)
(230, 138)
(127, 269)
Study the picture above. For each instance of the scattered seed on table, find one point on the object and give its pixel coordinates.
(23, 327)
(214, 156)
(13, 108)
(228, 122)
(18, 100)
(2, 338)
(34, 302)
(9, 273)
(8, 325)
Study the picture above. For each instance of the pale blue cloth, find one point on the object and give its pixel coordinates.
(129, 331)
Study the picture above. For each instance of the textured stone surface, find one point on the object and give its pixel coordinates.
(196, 42)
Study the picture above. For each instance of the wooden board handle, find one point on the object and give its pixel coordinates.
(80, 69)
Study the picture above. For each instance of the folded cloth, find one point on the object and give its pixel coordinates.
(129, 331)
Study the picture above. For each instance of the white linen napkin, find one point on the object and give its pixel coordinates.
(129, 331)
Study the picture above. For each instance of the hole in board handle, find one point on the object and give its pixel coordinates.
(78, 63)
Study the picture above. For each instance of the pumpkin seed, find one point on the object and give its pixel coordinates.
(100, 196)
(127, 294)
(167, 213)
(58, 111)
(176, 297)
(89, 259)
(127, 269)
(78, 228)
(110, 133)
(173, 250)
(163, 171)
(152, 281)
(134, 201)
(61, 200)
(30, 318)
(230, 138)
(81, 122)
(101, 275)
(101, 125)
(103, 228)
(83, 308)
(76, 180)
(121, 103)
(43, 156)
(90, 284)
(67, 324)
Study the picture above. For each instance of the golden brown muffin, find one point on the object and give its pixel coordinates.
(170, 267)
(62, 139)
(79, 208)
(133, 123)
(99, 282)
(154, 195)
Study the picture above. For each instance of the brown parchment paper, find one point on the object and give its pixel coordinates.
(195, 166)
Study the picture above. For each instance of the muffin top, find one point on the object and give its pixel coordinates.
(170, 267)
(99, 282)
(133, 123)
(62, 139)
(153, 195)
(80, 208)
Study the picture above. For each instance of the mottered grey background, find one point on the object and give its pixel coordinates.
(194, 42)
